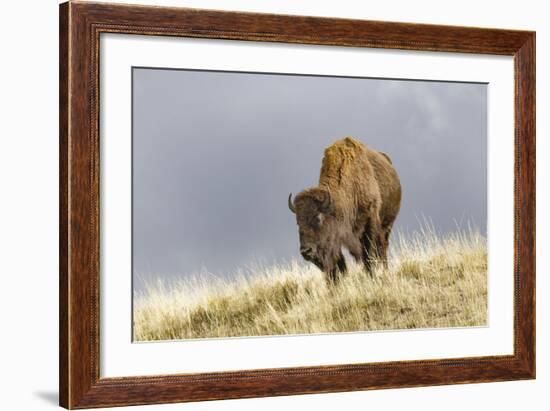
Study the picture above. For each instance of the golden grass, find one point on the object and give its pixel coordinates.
(431, 282)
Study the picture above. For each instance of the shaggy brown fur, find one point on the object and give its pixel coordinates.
(354, 206)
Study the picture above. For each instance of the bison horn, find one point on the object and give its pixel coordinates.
(290, 204)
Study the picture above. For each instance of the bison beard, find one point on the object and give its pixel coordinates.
(354, 207)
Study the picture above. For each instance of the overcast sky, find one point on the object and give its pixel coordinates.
(215, 155)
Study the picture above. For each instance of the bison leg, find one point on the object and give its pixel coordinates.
(355, 248)
(374, 246)
(334, 274)
(383, 253)
(368, 256)
(341, 263)
(384, 243)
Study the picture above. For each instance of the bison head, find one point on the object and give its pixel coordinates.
(313, 209)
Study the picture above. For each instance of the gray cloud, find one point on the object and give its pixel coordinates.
(216, 154)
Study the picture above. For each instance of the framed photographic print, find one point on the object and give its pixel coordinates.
(257, 205)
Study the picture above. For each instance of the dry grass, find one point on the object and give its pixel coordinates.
(432, 282)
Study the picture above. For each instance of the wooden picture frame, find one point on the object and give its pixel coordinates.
(80, 27)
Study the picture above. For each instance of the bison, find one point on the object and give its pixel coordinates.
(354, 206)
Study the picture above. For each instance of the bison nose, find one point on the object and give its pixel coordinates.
(306, 251)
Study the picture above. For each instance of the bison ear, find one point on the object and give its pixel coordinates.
(326, 203)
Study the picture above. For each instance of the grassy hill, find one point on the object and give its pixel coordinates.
(431, 282)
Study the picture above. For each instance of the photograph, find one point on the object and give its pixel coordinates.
(272, 204)
(275, 205)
